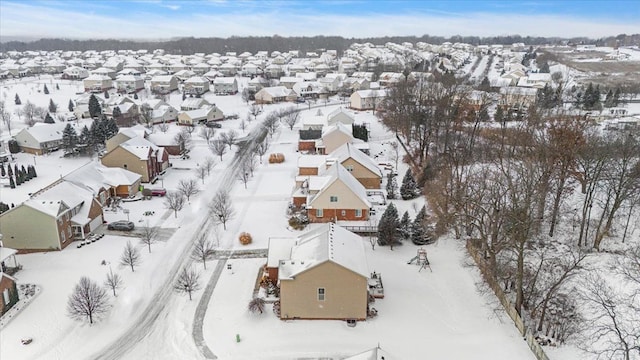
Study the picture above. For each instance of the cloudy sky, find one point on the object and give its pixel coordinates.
(162, 19)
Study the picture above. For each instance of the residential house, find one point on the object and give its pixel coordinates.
(203, 115)
(42, 138)
(196, 85)
(164, 84)
(516, 98)
(335, 136)
(275, 94)
(322, 275)
(160, 111)
(97, 83)
(366, 99)
(273, 71)
(62, 211)
(225, 86)
(340, 115)
(333, 196)
(139, 156)
(535, 80)
(130, 83)
(74, 73)
(359, 164)
(129, 113)
(192, 103)
(308, 89)
(289, 81)
(104, 72)
(228, 69)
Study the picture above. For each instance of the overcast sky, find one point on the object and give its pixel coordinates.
(162, 19)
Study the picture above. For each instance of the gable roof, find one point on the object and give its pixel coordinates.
(338, 172)
(327, 243)
(347, 151)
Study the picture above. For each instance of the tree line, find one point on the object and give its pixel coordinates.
(253, 44)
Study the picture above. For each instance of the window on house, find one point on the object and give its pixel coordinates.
(358, 213)
(62, 236)
(349, 168)
(319, 213)
(124, 166)
(320, 294)
(5, 297)
(333, 199)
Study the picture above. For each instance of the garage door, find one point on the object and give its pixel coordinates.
(95, 223)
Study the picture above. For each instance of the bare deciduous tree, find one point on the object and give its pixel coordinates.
(262, 148)
(256, 305)
(203, 250)
(174, 200)
(201, 173)
(184, 141)
(218, 147)
(243, 125)
(229, 138)
(208, 164)
(221, 208)
(207, 134)
(292, 117)
(149, 236)
(88, 300)
(30, 112)
(255, 110)
(612, 328)
(188, 282)
(5, 115)
(164, 127)
(130, 256)
(113, 281)
(188, 187)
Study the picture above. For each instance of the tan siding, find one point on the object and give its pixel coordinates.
(346, 198)
(334, 140)
(345, 294)
(118, 157)
(366, 177)
(19, 231)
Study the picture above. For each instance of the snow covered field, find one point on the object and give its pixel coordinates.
(424, 314)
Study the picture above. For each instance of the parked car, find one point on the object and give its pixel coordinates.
(122, 225)
(158, 192)
(213, 125)
(232, 117)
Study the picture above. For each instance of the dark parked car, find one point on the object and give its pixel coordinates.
(121, 225)
(213, 125)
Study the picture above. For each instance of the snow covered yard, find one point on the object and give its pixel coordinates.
(424, 314)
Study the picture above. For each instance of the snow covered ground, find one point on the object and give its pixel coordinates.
(424, 314)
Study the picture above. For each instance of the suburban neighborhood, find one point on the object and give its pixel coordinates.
(387, 198)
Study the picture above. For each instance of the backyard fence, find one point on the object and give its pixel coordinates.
(529, 337)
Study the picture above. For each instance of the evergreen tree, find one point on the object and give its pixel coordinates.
(485, 85)
(418, 235)
(111, 128)
(484, 115)
(106, 94)
(3, 173)
(499, 115)
(409, 188)
(57, 87)
(135, 96)
(12, 183)
(70, 106)
(388, 227)
(116, 112)
(31, 171)
(95, 110)
(85, 136)
(48, 119)
(18, 178)
(544, 68)
(13, 145)
(97, 132)
(184, 96)
(9, 170)
(3, 207)
(392, 186)
(52, 106)
(17, 100)
(35, 174)
(46, 90)
(405, 226)
(69, 139)
(608, 99)
(15, 171)
(23, 171)
(616, 97)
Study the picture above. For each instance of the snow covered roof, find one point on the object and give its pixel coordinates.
(224, 80)
(6, 252)
(97, 77)
(162, 78)
(347, 151)
(314, 161)
(140, 147)
(95, 176)
(277, 91)
(340, 112)
(338, 127)
(338, 172)
(196, 80)
(328, 242)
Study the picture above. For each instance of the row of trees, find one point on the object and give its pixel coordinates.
(510, 189)
(89, 139)
(18, 175)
